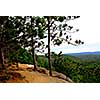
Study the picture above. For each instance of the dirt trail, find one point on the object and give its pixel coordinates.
(27, 75)
(35, 77)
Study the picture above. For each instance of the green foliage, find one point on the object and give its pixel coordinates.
(42, 61)
(22, 55)
(77, 70)
(89, 58)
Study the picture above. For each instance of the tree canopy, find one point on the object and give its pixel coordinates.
(26, 33)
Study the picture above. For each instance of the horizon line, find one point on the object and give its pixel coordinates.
(82, 52)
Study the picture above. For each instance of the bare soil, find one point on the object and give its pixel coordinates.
(23, 74)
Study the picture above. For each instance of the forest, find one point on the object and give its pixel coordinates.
(22, 38)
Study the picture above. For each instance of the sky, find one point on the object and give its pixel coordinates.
(88, 23)
(89, 33)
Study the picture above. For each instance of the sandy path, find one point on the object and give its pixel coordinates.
(36, 77)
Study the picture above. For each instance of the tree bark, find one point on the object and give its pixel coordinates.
(17, 61)
(49, 56)
(34, 58)
(33, 49)
(1, 58)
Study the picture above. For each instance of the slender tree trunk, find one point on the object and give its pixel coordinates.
(34, 58)
(49, 56)
(33, 50)
(17, 61)
(33, 55)
(1, 58)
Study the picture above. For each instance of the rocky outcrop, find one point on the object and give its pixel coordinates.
(42, 70)
(25, 73)
(61, 76)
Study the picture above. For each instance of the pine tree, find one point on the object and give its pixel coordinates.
(33, 35)
(4, 37)
(59, 32)
(11, 27)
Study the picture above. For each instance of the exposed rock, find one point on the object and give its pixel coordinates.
(6, 75)
(30, 66)
(42, 70)
(68, 79)
(24, 73)
(61, 76)
(30, 69)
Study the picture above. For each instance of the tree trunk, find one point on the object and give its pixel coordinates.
(33, 54)
(17, 61)
(49, 56)
(1, 58)
(34, 59)
(33, 49)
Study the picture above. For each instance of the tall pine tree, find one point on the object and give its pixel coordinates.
(59, 32)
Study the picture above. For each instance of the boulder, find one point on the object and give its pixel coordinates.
(61, 76)
(30, 66)
(42, 70)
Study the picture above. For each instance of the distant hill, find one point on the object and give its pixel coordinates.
(85, 53)
(89, 56)
(71, 57)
